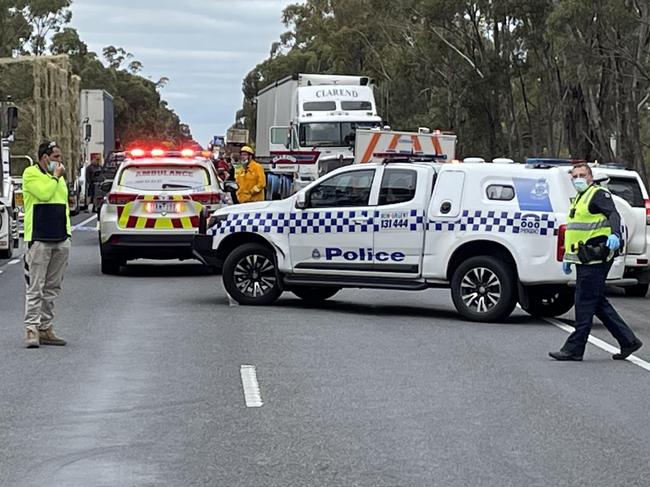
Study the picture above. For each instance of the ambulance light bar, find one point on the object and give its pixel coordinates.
(185, 153)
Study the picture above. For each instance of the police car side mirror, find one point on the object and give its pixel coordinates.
(301, 200)
(106, 185)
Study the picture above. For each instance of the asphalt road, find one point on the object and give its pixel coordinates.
(372, 388)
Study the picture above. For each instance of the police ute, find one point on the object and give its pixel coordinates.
(492, 233)
(153, 205)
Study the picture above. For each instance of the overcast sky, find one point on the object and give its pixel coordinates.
(205, 47)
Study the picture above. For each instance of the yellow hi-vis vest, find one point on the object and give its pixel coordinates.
(47, 218)
(582, 225)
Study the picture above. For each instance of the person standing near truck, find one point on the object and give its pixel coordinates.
(47, 235)
(250, 177)
(593, 235)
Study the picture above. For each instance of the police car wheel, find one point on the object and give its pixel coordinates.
(315, 293)
(250, 275)
(549, 301)
(483, 289)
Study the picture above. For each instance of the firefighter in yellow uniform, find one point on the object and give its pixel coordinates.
(250, 177)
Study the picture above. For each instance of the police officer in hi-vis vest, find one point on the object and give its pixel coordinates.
(47, 235)
(593, 235)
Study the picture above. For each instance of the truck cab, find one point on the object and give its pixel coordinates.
(492, 233)
(313, 114)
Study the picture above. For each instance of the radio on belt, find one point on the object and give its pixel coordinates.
(492, 233)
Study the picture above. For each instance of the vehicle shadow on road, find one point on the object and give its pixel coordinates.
(165, 270)
(384, 310)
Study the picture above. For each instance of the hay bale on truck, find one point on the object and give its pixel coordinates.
(47, 94)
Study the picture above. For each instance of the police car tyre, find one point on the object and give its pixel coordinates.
(484, 289)
(637, 291)
(250, 275)
(549, 301)
(315, 293)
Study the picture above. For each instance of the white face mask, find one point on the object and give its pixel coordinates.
(580, 184)
(51, 166)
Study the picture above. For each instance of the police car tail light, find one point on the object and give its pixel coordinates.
(560, 243)
(187, 153)
(157, 152)
(207, 198)
(121, 198)
(647, 212)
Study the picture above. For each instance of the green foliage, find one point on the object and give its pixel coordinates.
(512, 78)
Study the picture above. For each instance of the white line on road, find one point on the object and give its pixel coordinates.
(603, 345)
(13, 262)
(87, 220)
(251, 387)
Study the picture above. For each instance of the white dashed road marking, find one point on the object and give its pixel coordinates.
(603, 345)
(251, 387)
(87, 220)
(13, 262)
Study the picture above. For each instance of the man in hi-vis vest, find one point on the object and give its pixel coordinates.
(593, 235)
(47, 235)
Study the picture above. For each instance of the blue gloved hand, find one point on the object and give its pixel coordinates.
(566, 267)
(613, 242)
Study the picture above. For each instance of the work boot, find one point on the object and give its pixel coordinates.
(627, 351)
(32, 337)
(49, 338)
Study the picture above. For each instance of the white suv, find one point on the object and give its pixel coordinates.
(153, 206)
(628, 185)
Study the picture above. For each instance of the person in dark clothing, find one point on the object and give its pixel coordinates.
(593, 236)
(93, 176)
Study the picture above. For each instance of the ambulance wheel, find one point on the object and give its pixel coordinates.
(484, 289)
(250, 275)
(548, 301)
(110, 266)
(315, 294)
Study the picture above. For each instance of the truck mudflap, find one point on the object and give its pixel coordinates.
(202, 250)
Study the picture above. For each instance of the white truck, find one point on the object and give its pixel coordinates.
(493, 233)
(9, 236)
(306, 123)
(98, 136)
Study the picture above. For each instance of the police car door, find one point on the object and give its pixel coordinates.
(400, 219)
(334, 234)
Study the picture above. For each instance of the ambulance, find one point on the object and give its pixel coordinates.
(491, 233)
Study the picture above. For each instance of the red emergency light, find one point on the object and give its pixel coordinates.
(137, 153)
(187, 153)
(157, 152)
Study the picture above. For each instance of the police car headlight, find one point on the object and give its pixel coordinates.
(216, 220)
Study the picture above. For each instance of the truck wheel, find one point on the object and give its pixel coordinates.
(548, 301)
(110, 266)
(250, 275)
(637, 291)
(315, 294)
(483, 289)
(74, 211)
(9, 252)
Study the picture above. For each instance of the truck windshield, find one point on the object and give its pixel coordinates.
(331, 134)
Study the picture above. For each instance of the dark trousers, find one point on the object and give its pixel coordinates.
(590, 301)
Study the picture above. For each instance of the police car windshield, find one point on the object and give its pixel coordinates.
(159, 177)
